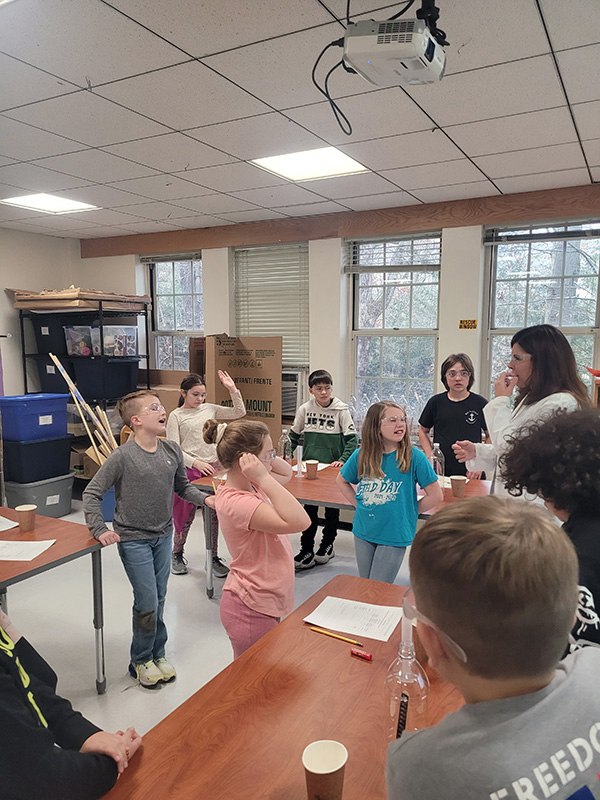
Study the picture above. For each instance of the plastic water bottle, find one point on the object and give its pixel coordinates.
(284, 446)
(437, 460)
(407, 676)
(299, 448)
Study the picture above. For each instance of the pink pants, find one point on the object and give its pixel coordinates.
(184, 513)
(243, 625)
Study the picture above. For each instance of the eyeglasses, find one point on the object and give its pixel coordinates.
(322, 389)
(153, 407)
(270, 455)
(462, 374)
(410, 612)
(393, 420)
(518, 358)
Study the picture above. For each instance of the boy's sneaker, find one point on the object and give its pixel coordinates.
(178, 564)
(324, 554)
(148, 675)
(219, 567)
(167, 669)
(304, 560)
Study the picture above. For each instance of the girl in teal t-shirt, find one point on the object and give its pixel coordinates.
(380, 479)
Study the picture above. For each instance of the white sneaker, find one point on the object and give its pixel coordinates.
(147, 675)
(167, 669)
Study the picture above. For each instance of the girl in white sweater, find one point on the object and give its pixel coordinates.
(184, 426)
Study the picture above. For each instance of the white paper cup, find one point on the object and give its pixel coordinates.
(324, 763)
(26, 517)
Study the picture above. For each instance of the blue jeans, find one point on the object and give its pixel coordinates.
(147, 564)
(379, 562)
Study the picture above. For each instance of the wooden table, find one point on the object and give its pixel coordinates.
(72, 541)
(242, 735)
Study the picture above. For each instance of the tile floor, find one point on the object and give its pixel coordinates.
(54, 611)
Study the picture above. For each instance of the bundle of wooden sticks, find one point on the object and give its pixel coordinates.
(104, 442)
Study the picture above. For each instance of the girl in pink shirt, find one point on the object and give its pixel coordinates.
(256, 515)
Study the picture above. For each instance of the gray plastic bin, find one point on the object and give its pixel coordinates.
(52, 496)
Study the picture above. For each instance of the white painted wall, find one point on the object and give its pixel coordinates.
(217, 286)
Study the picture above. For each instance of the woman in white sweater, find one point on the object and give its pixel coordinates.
(184, 426)
(542, 368)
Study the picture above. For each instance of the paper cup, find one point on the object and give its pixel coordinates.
(458, 485)
(311, 469)
(26, 517)
(324, 762)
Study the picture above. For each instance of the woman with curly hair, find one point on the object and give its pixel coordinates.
(542, 368)
(559, 460)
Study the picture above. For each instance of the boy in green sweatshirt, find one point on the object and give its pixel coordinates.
(329, 437)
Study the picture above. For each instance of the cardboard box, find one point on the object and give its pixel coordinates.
(198, 355)
(81, 463)
(168, 396)
(254, 363)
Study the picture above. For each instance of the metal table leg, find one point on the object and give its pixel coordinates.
(98, 620)
(208, 546)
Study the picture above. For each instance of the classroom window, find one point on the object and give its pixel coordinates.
(178, 309)
(271, 296)
(395, 319)
(545, 274)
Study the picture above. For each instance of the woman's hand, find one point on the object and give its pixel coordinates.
(464, 451)
(505, 383)
(474, 476)
(227, 381)
(203, 467)
(120, 746)
(252, 468)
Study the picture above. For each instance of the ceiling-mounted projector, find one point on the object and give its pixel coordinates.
(394, 52)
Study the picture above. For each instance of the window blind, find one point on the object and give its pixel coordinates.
(271, 296)
(408, 253)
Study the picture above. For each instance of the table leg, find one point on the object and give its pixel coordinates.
(98, 620)
(208, 546)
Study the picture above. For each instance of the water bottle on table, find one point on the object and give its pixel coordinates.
(437, 462)
(284, 446)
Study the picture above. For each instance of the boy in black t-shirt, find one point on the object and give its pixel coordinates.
(454, 415)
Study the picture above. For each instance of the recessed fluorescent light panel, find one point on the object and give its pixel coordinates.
(48, 203)
(325, 162)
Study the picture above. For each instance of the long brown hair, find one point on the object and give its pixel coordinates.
(370, 454)
(239, 437)
(191, 380)
(553, 366)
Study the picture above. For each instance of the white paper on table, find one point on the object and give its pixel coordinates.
(23, 551)
(7, 524)
(319, 467)
(358, 619)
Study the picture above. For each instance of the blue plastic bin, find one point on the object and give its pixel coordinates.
(33, 416)
(107, 504)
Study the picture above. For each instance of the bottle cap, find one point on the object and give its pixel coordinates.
(283, 430)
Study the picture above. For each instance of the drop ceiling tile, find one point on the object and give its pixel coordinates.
(525, 162)
(8, 190)
(14, 213)
(587, 117)
(28, 84)
(252, 216)
(310, 209)
(218, 26)
(190, 95)
(106, 216)
(213, 204)
(404, 151)
(159, 187)
(349, 185)
(517, 132)
(278, 72)
(24, 143)
(491, 92)
(381, 112)
(458, 191)
(95, 166)
(429, 175)
(27, 227)
(170, 152)
(81, 41)
(575, 66)
(154, 211)
(275, 196)
(4, 161)
(572, 25)
(592, 151)
(62, 222)
(233, 177)
(596, 174)
(257, 137)
(544, 180)
(360, 7)
(384, 200)
(102, 231)
(101, 196)
(150, 226)
(88, 118)
(201, 221)
(38, 179)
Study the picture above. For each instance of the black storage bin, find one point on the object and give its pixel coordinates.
(37, 460)
(49, 334)
(109, 378)
(51, 379)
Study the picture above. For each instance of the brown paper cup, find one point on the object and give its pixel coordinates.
(458, 485)
(324, 762)
(311, 469)
(26, 517)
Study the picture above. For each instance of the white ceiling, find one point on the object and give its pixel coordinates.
(149, 109)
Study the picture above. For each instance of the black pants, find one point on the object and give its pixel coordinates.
(332, 517)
